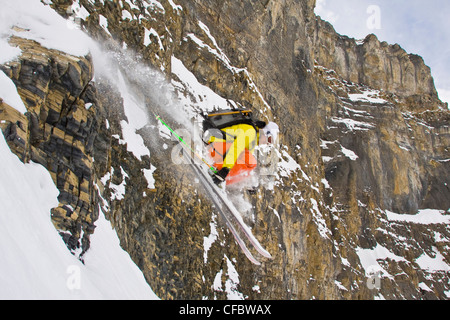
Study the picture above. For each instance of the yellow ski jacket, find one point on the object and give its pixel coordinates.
(242, 136)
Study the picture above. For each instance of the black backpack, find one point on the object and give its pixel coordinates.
(227, 118)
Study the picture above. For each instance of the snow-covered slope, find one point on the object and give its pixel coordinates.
(34, 261)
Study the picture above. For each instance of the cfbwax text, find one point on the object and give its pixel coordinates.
(229, 309)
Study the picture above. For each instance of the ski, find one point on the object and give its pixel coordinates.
(235, 215)
(228, 223)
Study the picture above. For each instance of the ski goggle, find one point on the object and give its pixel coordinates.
(270, 137)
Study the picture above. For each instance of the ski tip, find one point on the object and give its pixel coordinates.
(267, 255)
(257, 262)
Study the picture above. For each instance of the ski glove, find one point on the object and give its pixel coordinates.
(221, 175)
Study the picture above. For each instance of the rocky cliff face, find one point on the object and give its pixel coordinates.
(364, 148)
(374, 63)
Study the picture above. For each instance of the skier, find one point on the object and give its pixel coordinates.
(232, 136)
(213, 125)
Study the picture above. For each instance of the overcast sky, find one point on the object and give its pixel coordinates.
(418, 26)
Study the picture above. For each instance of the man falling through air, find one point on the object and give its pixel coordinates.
(232, 136)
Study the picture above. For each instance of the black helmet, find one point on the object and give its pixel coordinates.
(260, 124)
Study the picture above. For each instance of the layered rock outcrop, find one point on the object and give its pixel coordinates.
(58, 131)
(363, 136)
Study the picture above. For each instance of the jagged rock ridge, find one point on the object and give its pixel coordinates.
(363, 136)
